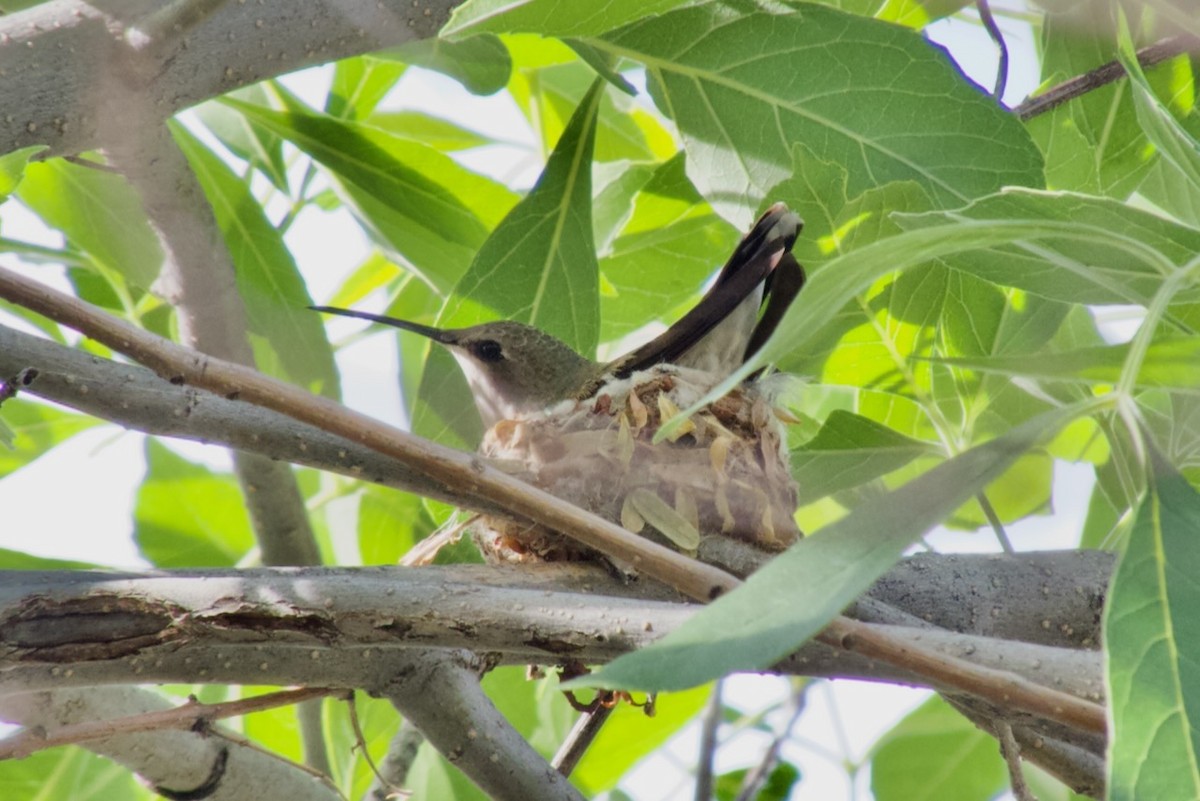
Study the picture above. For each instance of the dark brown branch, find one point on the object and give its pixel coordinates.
(580, 738)
(212, 759)
(1004, 689)
(184, 717)
(1102, 76)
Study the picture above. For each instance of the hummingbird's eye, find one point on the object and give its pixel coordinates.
(487, 350)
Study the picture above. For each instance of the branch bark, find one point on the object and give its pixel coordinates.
(211, 765)
(451, 467)
(58, 57)
(338, 626)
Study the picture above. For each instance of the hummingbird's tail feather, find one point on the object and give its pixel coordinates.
(436, 334)
(752, 263)
(783, 285)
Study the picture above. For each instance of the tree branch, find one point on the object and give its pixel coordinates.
(134, 397)
(339, 627)
(59, 57)
(1103, 75)
(217, 764)
(184, 717)
(440, 693)
(181, 365)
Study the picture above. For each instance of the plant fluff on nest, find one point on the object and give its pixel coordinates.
(722, 472)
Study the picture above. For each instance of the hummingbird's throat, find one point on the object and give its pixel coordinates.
(493, 406)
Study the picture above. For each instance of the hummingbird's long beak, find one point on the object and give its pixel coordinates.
(436, 334)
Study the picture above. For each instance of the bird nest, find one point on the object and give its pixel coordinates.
(721, 471)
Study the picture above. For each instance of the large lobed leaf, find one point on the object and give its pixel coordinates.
(745, 86)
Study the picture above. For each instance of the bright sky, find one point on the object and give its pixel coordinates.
(100, 469)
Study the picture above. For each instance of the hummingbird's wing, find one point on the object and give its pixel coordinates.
(753, 264)
(783, 285)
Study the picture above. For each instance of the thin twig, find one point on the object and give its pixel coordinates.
(1011, 751)
(581, 736)
(753, 781)
(455, 468)
(1103, 75)
(426, 550)
(1004, 689)
(708, 743)
(394, 767)
(995, 522)
(989, 23)
(360, 742)
(27, 742)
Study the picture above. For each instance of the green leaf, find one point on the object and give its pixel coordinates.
(18, 560)
(536, 709)
(480, 63)
(917, 14)
(1091, 250)
(797, 593)
(1179, 149)
(629, 735)
(12, 168)
(1163, 188)
(1093, 143)
(389, 522)
(776, 787)
(36, 428)
(603, 63)
(935, 753)
(432, 776)
(1152, 646)
(537, 267)
(549, 96)
(1169, 363)
(268, 281)
(433, 213)
(70, 772)
(830, 289)
(743, 86)
(850, 450)
(359, 84)
(246, 139)
(668, 224)
(433, 131)
(187, 516)
(99, 213)
(549, 17)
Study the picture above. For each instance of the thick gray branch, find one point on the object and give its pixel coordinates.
(181, 761)
(59, 59)
(342, 627)
(134, 397)
(440, 693)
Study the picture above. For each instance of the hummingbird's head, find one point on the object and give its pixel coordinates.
(513, 369)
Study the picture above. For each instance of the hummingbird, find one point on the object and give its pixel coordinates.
(515, 370)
